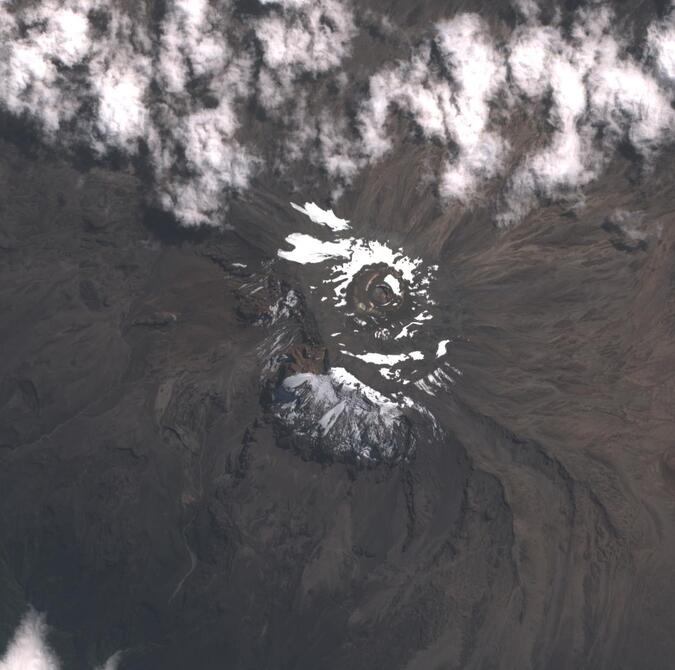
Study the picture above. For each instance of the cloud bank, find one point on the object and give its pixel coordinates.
(87, 73)
(177, 93)
(599, 97)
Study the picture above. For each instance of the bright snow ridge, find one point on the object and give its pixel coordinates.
(326, 217)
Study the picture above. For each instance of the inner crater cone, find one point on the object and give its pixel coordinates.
(377, 290)
(382, 295)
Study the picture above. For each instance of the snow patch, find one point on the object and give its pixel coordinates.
(387, 359)
(325, 217)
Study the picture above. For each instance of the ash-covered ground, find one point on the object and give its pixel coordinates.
(337, 336)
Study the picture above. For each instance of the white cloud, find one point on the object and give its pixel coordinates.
(336, 151)
(122, 110)
(199, 138)
(286, 3)
(112, 663)
(66, 36)
(28, 649)
(478, 72)
(184, 94)
(190, 44)
(442, 348)
(630, 103)
(530, 53)
(58, 35)
(30, 82)
(594, 86)
(120, 65)
(529, 9)
(306, 37)
(661, 46)
(300, 37)
(215, 163)
(452, 108)
(563, 164)
(593, 83)
(120, 74)
(413, 87)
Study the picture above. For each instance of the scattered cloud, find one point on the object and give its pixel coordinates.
(179, 92)
(478, 73)
(539, 68)
(446, 87)
(112, 663)
(79, 62)
(599, 97)
(299, 37)
(197, 159)
(528, 9)
(30, 80)
(29, 648)
(661, 46)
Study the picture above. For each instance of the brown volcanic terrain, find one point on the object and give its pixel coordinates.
(151, 501)
(147, 506)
